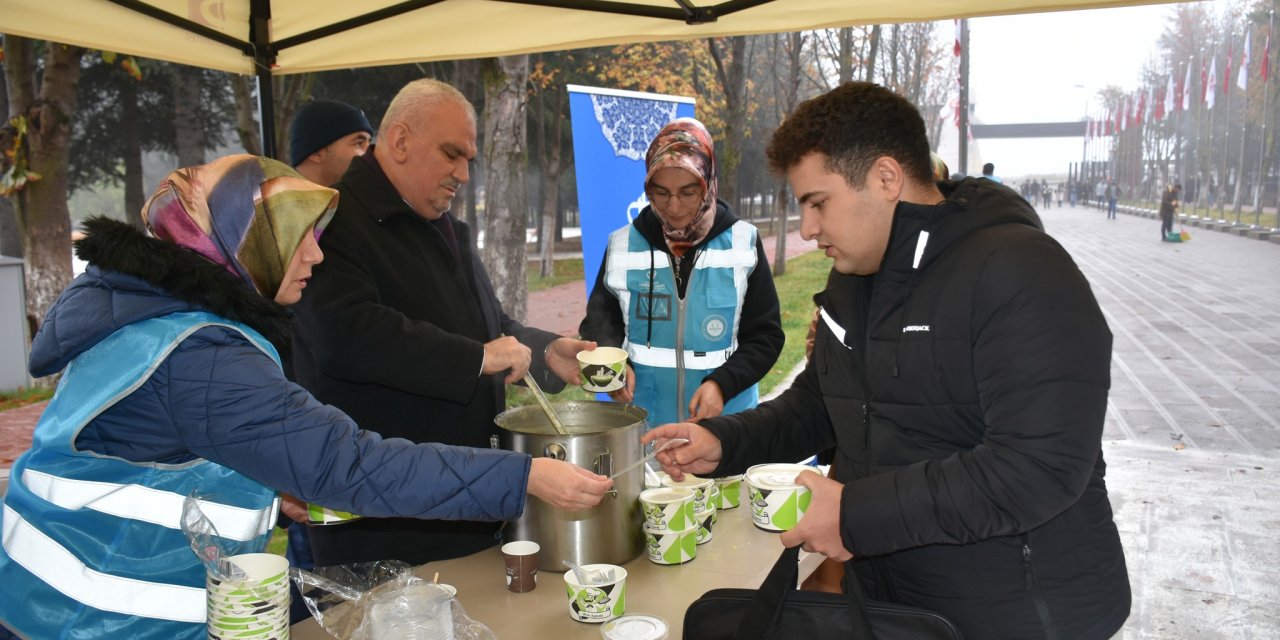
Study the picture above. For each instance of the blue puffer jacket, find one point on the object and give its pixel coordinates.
(220, 398)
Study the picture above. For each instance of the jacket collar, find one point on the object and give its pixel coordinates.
(366, 183)
(182, 274)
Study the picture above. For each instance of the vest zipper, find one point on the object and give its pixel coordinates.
(680, 312)
(1042, 607)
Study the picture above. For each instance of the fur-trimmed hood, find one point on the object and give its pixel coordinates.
(133, 277)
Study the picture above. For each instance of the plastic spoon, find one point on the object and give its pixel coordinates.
(577, 572)
(649, 457)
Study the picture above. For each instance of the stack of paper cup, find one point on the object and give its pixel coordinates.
(670, 529)
(254, 603)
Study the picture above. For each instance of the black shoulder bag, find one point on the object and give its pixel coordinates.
(778, 610)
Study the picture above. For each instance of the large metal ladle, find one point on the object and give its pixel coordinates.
(546, 406)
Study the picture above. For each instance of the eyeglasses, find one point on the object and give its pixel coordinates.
(683, 196)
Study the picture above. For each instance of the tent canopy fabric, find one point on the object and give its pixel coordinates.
(317, 35)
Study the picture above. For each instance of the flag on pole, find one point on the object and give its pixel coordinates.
(1242, 80)
(1212, 84)
(1226, 70)
(1186, 90)
(956, 49)
(1266, 58)
(1161, 103)
(1149, 103)
(1140, 108)
(1165, 106)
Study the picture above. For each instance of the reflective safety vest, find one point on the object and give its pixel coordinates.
(93, 545)
(674, 343)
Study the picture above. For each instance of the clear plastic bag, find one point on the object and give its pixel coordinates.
(375, 600)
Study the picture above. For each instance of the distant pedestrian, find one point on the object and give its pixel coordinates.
(1112, 194)
(1168, 207)
(989, 172)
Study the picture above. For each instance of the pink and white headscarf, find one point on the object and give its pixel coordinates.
(684, 143)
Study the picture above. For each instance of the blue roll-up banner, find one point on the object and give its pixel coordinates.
(612, 130)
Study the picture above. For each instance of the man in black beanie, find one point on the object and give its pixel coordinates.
(323, 138)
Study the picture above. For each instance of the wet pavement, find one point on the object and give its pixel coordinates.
(1192, 438)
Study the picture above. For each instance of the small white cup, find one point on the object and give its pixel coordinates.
(701, 488)
(603, 369)
(667, 508)
(597, 603)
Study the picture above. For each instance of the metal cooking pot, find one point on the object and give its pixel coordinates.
(603, 436)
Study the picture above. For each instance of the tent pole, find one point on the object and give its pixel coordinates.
(264, 58)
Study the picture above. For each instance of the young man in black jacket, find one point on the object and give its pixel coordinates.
(961, 370)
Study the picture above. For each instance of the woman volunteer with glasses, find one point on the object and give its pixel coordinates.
(686, 290)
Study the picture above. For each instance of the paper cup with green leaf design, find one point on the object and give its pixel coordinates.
(667, 508)
(600, 601)
(730, 495)
(667, 546)
(701, 488)
(777, 502)
(706, 522)
(252, 600)
(603, 369)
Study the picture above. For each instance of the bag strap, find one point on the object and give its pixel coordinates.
(766, 607)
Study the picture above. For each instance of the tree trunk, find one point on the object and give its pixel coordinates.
(733, 82)
(133, 187)
(506, 103)
(468, 73)
(551, 192)
(42, 206)
(246, 112)
(780, 230)
(871, 57)
(846, 54)
(289, 91)
(188, 127)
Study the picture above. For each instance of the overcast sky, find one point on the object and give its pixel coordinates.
(1024, 69)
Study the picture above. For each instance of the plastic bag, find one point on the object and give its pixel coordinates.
(375, 600)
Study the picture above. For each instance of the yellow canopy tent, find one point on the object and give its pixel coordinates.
(266, 37)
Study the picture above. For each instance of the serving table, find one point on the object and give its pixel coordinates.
(738, 555)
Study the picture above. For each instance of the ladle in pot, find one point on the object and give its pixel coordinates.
(546, 406)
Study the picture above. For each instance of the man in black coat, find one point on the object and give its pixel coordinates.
(961, 370)
(401, 329)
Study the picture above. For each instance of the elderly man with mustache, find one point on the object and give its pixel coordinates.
(400, 326)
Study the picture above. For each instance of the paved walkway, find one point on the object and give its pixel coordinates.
(1192, 436)
(1193, 427)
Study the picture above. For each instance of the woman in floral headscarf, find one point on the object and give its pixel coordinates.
(686, 290)
(172, 386)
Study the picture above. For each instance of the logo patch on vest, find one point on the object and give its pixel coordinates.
(912, 328)
(714, 326)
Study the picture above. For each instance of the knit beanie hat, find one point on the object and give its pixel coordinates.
(319, 123)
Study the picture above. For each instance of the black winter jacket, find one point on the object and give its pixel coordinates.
(966, 401)
(391, 329)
